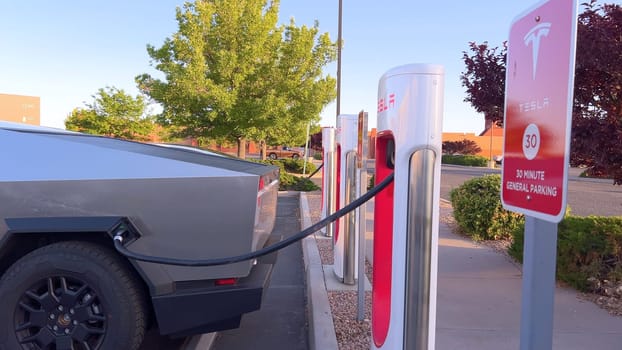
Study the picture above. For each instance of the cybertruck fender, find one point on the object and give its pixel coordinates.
(182, 203)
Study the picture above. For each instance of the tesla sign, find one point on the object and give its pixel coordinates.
(538, 110)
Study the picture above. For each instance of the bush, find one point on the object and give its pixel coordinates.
(303, 184)
(586, 247)
(289, 165)
(464, 160)
(289, 182)
(296, 165)
(372, 182)
(504, 223)
(464, 146)
(594, 173)
(317, 156)
(478, 211)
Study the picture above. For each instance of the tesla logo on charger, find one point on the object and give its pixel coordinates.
(386, 103)
(533, 37)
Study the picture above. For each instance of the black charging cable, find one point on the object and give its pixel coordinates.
(316, 170)
(118, 237)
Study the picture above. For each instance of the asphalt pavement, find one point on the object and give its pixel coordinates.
(282, 321)
(586, 196)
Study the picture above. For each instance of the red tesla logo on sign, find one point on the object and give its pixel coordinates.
(538, 110)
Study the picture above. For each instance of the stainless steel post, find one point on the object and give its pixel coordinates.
(329, 180)
(361, 212)
(419, 250)
(329, 171)
(349, 230)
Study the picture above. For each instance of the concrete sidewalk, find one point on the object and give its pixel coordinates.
(479, 299)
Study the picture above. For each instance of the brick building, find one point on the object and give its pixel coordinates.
(490, 140)
(20, 109)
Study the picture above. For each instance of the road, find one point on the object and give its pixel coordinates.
(585, 196)
(281, 323)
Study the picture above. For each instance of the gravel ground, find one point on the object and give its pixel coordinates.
(351, 334)
(325, 246)
(355, 335)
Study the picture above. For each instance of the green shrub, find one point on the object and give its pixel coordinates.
(594, 173)
(304, 184)
(478, 211)
(464, 160)
(586, 247)
(289, 165)
(289, 182)
(296, 165)
(317, 156)
(504, 222)
(372, 182)
(276, 162)
(286, 181)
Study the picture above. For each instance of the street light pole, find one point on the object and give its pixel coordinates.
(339, 59)
(491, 164)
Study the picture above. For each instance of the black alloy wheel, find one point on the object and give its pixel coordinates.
(71, 296)
(61, 311)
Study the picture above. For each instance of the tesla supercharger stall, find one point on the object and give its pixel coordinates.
(328, 177)
(410, 109)
(345, 241)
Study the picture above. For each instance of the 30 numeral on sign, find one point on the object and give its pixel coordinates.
(531, 141)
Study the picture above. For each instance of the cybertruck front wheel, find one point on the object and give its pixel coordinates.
(73, 296)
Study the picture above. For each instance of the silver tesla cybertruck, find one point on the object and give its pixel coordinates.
(64, 195)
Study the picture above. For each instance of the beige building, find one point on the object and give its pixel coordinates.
(20, 109)
(490, 140)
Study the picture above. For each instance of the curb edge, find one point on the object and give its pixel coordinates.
(321, 328)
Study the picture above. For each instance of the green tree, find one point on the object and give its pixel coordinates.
(230, 72)
(113, 113)
(465, 147)
(484, 79)
(597, 108)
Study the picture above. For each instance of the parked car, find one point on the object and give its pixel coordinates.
(283, 152)
(65, 195)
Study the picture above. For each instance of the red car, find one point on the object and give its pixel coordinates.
(283, 152)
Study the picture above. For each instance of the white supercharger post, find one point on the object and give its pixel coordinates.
(410, 109)
(345, 249)
(328, 177)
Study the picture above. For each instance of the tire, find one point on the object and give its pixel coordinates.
(71, 295)
(272, 156)
(295, 156)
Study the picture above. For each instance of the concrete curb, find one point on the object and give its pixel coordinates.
(321, 328)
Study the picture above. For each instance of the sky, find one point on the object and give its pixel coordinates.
(64, 51)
